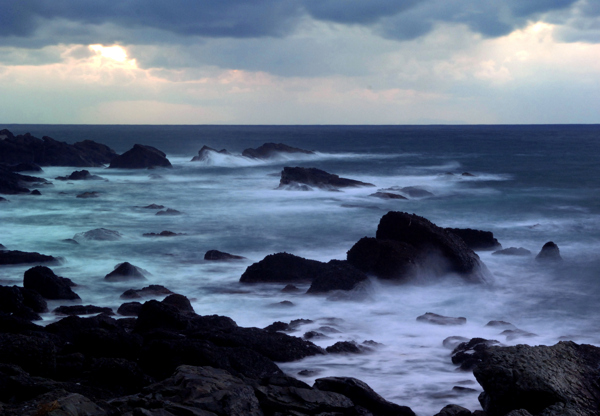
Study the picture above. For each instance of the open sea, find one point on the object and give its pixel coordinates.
(530, 185)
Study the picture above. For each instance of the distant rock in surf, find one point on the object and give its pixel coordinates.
(162, 234)
(80, 175)
(141, 157)
(98, 234)
(476, 239)
(217, 255)
(49, 152)
(125, 271)
(86, 195)
(513, 251)
(388, 195)
(23, 257)
(411, 191)
(204, 154)
(549, 253)
(148, 291)
(35, 192)
(12, 183)
(154, 206)
(169, 211)
(269, 150)
(43, 280)
(291, 176)
(434, 318)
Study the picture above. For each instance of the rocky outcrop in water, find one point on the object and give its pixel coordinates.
(512, 251)
(125, 271)
(204, 154)
(80, 175)
(294, 176)
(549, 253)
(12, 183)
(406, 245)
(216, 255)
(50, 286)
(98, 234)
(270, 150)
(141, 157)
(49, 152)
(23, 257)
(476, 239)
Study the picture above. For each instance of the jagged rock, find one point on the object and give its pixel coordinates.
(549, 381)
(269, 150)
(12, 183)
(434, 318)
(468, 354)
(141, 157)
(476, 239)
(125, 271)
(23, 257)
(549, 253)
(49, 152)
(168, 211)
(98, 234)
(204, 154)
(148, 291)
(316, 177)
(513, 251)
(82, 310)
(219, 255)
(43, 280)
(79, 175)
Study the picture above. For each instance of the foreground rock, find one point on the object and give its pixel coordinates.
(23, 257)
(291, 177)
(270, 150)
(407, 245)
(43, 280)
(287, 268)
(21, 302)
(548, 381)
(141, 157)
(125, 271)
(549, 253)
(49, 152)
(12, 183)
(477, 239)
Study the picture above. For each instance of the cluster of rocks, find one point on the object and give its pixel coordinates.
(263, 152)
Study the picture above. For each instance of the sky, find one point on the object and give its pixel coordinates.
(299, 61)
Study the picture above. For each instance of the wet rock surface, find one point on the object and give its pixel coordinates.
(42, 280)
(141, 157)
(23, 257)
(291, 176)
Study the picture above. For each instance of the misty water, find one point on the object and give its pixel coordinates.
(530, 185)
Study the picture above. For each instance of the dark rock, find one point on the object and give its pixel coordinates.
(148, 291)
(32, 353)
(314, 335)
(557, 380)
(86, 195)
(130, 309)
(337, 275)
(362, 395)
(476, 239)
(141, 157)
(439, 251)
(70, 241)
(346, 347)
(467, 174)
(162, 234)
(25, 167)
(513, 251)
(501, 325)
(469, 354)
(49, 152)
(269, 150)
(549, 253)
(386, 259)
(154, 206)
(43, 280)
(454, 410)
(204, 154)
(180, 302)
(277, 326)
(169, 211)
(316, 177)
(125, 271)
(4, 199)
(516, 333)
(416, 192)
(283, 303)
(387, 195)
(23, 257)
(12, 183)
(79, 175)
(21, 302)
(82, 310)
(434, 318)
(290, 289)
(329, 330)
(219, 255)
(98, 234)
(35, 192)
(454, 341)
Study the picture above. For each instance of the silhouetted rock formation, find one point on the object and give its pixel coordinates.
(316, 177)
(50, 286)
(269, 150)
(141, 157)
(476, 239)
(204, 154)
(23, 257)
(216, 255)
(125, 271)
(12, 183)
(80, 175)
(549, 252)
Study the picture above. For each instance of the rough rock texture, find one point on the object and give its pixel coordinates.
(219, 255)
(549, 253)
(12, 183)
(141, 157)
(79, 175)
(386, 259)
(316, 177)
(436, 251)
(469, 354)
(476, 239)
(549, 381)
(43, 280)
(287, 268)
(269, 150)
(23, 257)
(204, 154)
(49, 152)
(98, 234)
(21, 302)
(125, 271)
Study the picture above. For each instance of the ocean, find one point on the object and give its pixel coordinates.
(527, 184)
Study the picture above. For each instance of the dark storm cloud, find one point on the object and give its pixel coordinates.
(34, 22)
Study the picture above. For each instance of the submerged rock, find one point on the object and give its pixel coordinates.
(148, 291)
(217, 255)
(269, 150)
(43, 280)
(162, 234)
(98, 234)
(316, 177)
(23, 257)
(434, 318)
(549, 253)
(86, 195)
(141, 157)
(169, 211)
(513, 251)
(387, 195)
(125, 271)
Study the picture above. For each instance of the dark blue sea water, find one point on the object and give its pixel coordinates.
(530, 185)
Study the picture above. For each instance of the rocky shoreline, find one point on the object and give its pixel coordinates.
(160, 358)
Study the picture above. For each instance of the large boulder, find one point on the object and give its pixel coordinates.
(23, 257)
(270, 150)
(477, 239)
(549, 253)
(80, 175)
(50, 152)
(125, 271)
(43, 280)
(141, 157)
(549, 381)
(291, 177)
(422, 245)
